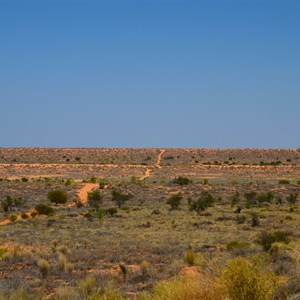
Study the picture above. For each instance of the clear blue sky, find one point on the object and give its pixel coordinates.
(150, 73)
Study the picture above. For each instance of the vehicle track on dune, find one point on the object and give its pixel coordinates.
(157, 165)
(158, 162)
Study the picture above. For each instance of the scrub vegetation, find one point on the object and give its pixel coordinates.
(109, 226)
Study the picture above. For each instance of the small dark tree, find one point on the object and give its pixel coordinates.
(265, 197)
(174, 201)
(255, 219)
(251, 198)
(18, 202)
(203, 202)
(7, 203)
(235, 199)
(58, 196)
(292, 198)
(120, 198)
(68, 182)
(93, 179)
(94, 198)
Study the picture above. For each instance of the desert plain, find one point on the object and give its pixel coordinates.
(149, 223)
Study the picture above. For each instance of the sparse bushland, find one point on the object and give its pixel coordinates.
(149, 239)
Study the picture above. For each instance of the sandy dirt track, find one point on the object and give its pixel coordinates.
(157, 165)
(83, 192)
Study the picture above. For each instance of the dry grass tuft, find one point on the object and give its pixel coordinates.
(199, 286)
(245, 279)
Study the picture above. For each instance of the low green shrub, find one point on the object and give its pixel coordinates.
(266, 239)
(33, 214)
(68, 182)
(43, 209)
(292, 198)
(13, 218)
(236, 245)
(190, 257)
(111, 211)
(168, 157)
(182, 180)
(3, 251)
(283, 181)
(24, 216)
(241, 219)
(235, 199)
(100, 213)
(255, 219)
